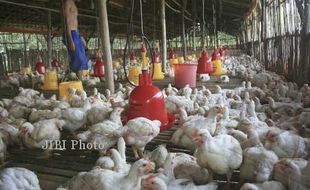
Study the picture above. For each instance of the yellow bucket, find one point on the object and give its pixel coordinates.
(218, 69)
(158, 74)
(50, 81)
(172, 62)
(64, 86)
(134, 73)
(26, 70)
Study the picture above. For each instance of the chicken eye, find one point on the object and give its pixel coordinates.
(144, 165)
(152, 182)
(200, 135)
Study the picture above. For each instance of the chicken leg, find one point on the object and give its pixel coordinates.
(135, 151)
(47, 153)
(228, 175)
(140, 152)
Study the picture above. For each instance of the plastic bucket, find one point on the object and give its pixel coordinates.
(26, 70)
(64, 86)
(185, 74)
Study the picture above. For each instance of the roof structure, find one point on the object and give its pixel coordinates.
(31, 16)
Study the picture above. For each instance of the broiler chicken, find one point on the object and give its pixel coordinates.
(138, 132)
(41, 133)
(267, 185)
(221, 154)
(75, 117)
(286, 144)
(152, 182)
(112, 180)
(257, 165)
(289, 173)
(183, 135)
(18, 179)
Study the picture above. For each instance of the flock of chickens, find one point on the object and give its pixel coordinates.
(262, 130)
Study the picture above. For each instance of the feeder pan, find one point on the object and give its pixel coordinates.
(146, 100)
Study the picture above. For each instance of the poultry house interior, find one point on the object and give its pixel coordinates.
(168, 95)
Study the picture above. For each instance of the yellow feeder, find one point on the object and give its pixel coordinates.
(85, 73)
(172, 62)
(64, 86)
(158, 74)
(50, 81)
(217, 67)
(26, 70)
(181, 59)
(134, 73)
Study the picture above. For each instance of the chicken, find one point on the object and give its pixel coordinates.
(37, 115)
(2, 150)
(112, 180)
(152, 182)
(18, 179)
(173, 102)
(267, 185)
(257, 165)
(221, 154)
(183, 135)
(158, 156)
(288, 172)
(171, 91)
(75, 117)
(286, 144)
(41, 134)
(138, 132)
(29, 93)
(97, 114)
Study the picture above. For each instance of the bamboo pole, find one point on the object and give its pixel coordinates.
(49, 39)
(183, 29)
(163, 34)
(106, 46)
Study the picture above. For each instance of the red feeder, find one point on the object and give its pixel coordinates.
(216, 55)
(40, 67)
(172, 55)
(222, 52)
(204, 64)
(156, 58)
(99, 68)
(55, 63)
(146, 100)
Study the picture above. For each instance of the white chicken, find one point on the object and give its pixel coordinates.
(18, 179)
(75, 117)
(288, 172)
(183, 135)
(267, 185)
(221, 154)
(286, 144)
(41, 133)
(112, 180)
(138, 132)
(156, 183)
(257, 165)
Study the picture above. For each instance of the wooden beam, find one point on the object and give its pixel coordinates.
(106, 47)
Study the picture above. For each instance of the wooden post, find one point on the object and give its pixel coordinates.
(49, 38)
(25, 50)
(163, 34)
(203, 35)
(105, 41)
(183, 29)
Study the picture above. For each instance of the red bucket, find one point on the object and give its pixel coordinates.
(185, 74)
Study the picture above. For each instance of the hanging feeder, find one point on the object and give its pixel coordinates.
(172, 58)
(40, 67)
(55, 63)
(99, 68)
(158, 74)
(147, 100)
(217, 64)
(204, 64)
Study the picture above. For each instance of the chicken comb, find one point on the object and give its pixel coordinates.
(195, 133)
(149, 178)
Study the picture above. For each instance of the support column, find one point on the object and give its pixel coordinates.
(106, 47)
(163, 34)
(183, 29)
(202, 26)
(49, 39)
